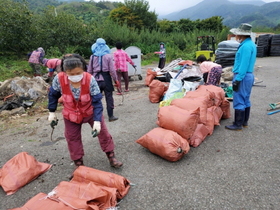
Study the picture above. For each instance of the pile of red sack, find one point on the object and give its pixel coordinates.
(186, 122)
(89, 188)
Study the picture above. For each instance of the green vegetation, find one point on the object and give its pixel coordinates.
(73, 27)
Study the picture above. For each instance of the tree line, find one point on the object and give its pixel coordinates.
(74, 27)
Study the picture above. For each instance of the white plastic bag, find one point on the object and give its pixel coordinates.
(174, 87)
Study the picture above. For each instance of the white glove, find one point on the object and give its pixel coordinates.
(52, 117)
(96, 128)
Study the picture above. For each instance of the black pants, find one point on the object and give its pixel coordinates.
(108, 95)
(161, 63)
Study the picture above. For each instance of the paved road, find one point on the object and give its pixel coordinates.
(229, 170)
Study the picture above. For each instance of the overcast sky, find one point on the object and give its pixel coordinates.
(164, 7)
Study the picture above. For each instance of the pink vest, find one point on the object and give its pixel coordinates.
(76, 110)
(53, 63)
(34, 57)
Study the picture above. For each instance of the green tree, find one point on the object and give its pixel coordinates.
(123, 15)
(164, 25)
(186, 25)
(135, 13)
(61, 30)
(141, 9)
(214, 23)
(15, 23)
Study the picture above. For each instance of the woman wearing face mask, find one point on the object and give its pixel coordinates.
(82, 104)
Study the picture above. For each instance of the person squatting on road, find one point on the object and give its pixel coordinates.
(81, 104)
(120, 58)
(162, 55)
(243, 79)
(101, 66)
(52, 64)
(211, 71)
(35, 59)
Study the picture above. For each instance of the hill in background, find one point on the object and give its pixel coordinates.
(258, 13)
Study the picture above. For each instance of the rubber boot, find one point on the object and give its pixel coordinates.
(113, 161)
(246, 116)
(111, 115)
(238, 120)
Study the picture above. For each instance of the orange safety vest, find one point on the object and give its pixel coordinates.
(76, 110)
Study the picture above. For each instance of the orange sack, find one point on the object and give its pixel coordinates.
(225, 106)
(199, 135)
(84, 195)
(20, 170)
(150, 75)
(219, 93)
(157, 89)
(42, 202)
(182, 121)
(165, 143)
(193, 104)
(85, 174)
(206, 96)
(183, 62)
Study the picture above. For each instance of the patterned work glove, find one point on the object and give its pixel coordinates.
(96, 128)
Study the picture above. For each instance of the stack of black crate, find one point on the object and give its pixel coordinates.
(264, 45)
(275, 45)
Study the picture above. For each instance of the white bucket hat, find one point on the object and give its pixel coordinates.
(243, 29)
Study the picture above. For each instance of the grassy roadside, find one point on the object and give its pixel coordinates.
(13, 66)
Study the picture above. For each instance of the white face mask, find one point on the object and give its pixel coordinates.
(76, 78)
(239, 40)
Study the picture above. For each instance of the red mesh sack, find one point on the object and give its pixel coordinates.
(85, 174)
(217, 113)
(204, 95)
(193, 104)
(42, 202)
(165, 143)
(179, 120)
(199, 135)
(225, 106)
(210, 124)
(157, 89)
(150, 75)
(84, 195)
(219, 93)
(20, 170)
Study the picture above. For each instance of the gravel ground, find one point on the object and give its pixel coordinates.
(229, 170)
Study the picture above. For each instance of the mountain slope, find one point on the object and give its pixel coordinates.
(234, 12)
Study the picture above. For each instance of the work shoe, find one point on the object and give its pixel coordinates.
(113, 161)
(233, 127)
(79, 162)
(113, 118)
(245, 124)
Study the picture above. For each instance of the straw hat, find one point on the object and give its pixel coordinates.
(243, 29)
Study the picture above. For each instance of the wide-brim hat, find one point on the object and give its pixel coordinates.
(243, 29)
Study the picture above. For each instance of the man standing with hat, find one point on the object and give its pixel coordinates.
(243, 78)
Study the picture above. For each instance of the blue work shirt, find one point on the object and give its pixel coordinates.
(245, 59)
